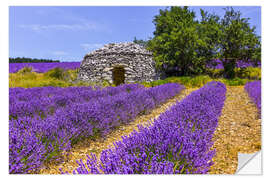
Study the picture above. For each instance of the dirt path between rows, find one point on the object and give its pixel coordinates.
(86, 147)
(239, 130)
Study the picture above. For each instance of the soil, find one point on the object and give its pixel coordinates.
(90, 146)
(239, 130)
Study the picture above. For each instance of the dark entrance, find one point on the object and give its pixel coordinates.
(118, 75)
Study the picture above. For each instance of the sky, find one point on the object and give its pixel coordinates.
(68, 33)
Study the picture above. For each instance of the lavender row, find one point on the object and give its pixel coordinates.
(43, 67)
(30, 112)
(254, 91)
(239, 64)
(45, 100)
(179, 141)
(34, 140)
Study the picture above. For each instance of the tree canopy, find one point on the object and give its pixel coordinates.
(238, 41)
(29, 60)
(141, 42)
(183, 45)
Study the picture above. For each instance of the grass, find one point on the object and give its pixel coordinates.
(64, 78)
(197, 81)
(253, 73)
(55, 77)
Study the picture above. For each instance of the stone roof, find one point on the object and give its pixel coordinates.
(121, 48)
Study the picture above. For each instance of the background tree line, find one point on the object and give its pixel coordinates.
(184, 46)
(29, 60)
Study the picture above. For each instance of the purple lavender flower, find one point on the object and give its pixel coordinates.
(217, 64)
(43, 67)
(179, 141)
(254, 91)
(46, 122)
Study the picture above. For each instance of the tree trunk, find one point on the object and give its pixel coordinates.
(229, 66)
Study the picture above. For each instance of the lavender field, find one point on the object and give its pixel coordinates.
(254, 91)
(179, 141)
(155, 90)
(43, 67)
(46, 122)
(217, 64)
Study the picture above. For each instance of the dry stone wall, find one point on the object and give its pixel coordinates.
(137, 62)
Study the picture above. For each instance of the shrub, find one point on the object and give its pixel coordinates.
(215, 73)
(73, 74)
(57, 73)
(234, 82)
(26, 69)
(253, 73)
(197, 81)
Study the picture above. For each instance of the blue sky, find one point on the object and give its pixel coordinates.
(68, 33)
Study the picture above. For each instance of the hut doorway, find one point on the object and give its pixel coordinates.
(118, 75)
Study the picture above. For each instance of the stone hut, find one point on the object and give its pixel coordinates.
(118, 63)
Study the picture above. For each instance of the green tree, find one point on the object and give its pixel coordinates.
(209, 31)
(184, 46)
(141, 42)
(238, 41)
(180, 46)
(29, 60)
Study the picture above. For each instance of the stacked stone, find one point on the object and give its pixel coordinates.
(139, 66)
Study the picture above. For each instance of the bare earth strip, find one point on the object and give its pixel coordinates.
(239, 130)
(86, 147)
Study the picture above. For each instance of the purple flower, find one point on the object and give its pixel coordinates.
(46, 122)
(179, 141)
(254, 91)
(43, 67)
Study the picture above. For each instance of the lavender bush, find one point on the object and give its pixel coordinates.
(239, 64)
(43, 67)
(43, 100)
(30, 132)
(179, 141)
(254, 91)
(46, 122)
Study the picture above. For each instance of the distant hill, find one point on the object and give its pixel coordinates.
(30, 60)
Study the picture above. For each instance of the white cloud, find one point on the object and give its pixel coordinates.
(73, 27)
(88, 47)
(59, 53)
(73, 21)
